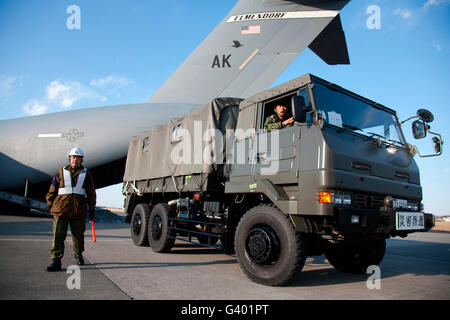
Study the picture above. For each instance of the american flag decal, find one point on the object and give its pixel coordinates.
(251, 29)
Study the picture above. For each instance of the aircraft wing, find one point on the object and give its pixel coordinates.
(253, 45)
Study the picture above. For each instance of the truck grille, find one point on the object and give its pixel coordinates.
(368, 201)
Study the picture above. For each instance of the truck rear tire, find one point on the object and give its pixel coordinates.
(161, 238)
(139, 224)
(356, 257)
(268, 248)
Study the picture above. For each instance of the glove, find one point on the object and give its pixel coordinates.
(91, 214)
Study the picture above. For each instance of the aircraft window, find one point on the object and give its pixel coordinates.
(176, 133)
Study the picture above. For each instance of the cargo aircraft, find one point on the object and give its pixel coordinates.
(243, 55)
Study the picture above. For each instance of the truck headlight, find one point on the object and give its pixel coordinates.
(334, 198)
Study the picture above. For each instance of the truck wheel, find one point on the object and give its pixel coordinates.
(355, 257)
(161, 238)
(268, 249)
(139, 224)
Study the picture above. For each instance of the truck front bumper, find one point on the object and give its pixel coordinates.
(349, 220)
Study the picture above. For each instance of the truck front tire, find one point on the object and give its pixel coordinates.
(161, 238)
(139, 224)
(268, 248)
(356, 257)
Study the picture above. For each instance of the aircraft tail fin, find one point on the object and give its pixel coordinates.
(330, 44)
(253, 45)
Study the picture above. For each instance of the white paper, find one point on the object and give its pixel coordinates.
(335, 119)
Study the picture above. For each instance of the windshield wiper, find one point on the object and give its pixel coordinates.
(353, 128)
(348, 128)
(395, 142)
(375, 134)
(388, 142)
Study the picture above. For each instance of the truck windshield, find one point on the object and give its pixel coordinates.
(351, 114)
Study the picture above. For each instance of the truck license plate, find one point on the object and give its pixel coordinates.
(410, 221)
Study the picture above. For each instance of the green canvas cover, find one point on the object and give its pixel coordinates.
(183, 146)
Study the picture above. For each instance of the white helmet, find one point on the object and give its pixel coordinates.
(76, 152)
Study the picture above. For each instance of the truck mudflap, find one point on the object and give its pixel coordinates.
(382, 221)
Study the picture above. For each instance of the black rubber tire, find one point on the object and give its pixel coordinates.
(139, 224)
(286, 256)
(161, 238)
(356, 257)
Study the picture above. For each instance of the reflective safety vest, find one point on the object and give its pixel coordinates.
(68, 189)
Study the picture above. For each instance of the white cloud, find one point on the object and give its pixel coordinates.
(62, 94)
(34, 108)
(438, 47)
(65, 94)
(405, 13)
(8, 82)
(111, 81)
(436, 3)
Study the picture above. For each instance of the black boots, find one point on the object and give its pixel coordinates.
(55, 266)
(79, 259)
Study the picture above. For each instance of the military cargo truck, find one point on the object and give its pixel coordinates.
(339, 182)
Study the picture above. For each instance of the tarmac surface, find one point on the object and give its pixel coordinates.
(417, 267)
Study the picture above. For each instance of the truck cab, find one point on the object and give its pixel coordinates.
(345, 161)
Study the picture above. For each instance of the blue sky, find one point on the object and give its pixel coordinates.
(124, 50)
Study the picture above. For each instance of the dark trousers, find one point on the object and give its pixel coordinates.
(77, 228)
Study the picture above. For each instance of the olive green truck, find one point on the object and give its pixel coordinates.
(339, 182)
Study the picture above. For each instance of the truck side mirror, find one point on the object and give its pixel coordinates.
(437, 145)
(425, 115)
(299, 108)
(418, 129)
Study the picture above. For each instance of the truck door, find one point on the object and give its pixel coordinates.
(275, 151)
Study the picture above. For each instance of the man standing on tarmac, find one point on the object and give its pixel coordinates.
(71, 195)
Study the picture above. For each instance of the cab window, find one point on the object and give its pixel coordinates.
(269, 108)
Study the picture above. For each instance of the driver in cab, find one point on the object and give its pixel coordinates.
(279, 119)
